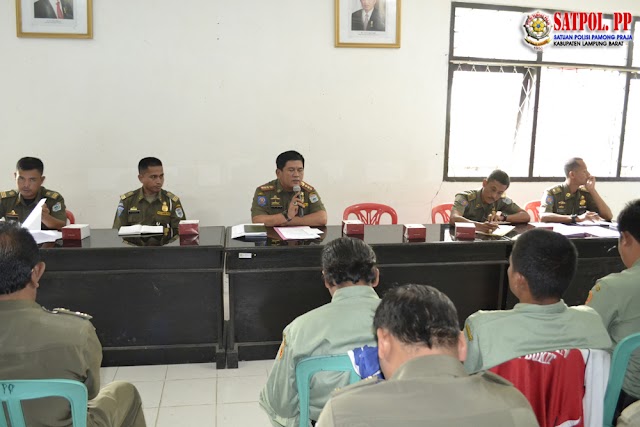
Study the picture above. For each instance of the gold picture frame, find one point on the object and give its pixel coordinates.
(68, 19)
(367, 23)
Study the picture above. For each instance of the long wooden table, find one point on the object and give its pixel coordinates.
(154, 300)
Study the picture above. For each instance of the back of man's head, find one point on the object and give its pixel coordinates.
(629, 219)
(547, 260)
(571, 165)
(148, 162)
(30, 163)
(18, 255)
(419, 315)
(288, 156)
(499, 176)
(348, 260)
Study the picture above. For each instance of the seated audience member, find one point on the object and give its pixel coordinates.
(616, 298)
(542, 265)
(17, 205)
(420, 347)
(350, 274)
(576, 200)
(630, 417)
(487, 205)
(59, 344)
(150, 204)
(288, 200)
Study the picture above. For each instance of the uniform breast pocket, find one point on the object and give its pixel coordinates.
(134, 216)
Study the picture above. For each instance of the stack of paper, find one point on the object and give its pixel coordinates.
(135, 230)
(298, 233)
(33, 223)
(248, 230)
(502, 230)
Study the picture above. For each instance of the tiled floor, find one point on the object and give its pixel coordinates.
(197, 395)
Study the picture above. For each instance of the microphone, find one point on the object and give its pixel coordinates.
(297, 189)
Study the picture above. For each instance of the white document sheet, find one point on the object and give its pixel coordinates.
(34, 220)
(43, 236)
(298, 233)
(500, 231)
(134, 230)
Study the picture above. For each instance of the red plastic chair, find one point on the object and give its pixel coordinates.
(444, 210)
(370, 213)
(533, 208)
(70, 217)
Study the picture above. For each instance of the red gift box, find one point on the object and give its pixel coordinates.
(465, 230)
(76, 232)
(188, 227)
(414, 232)
(352, 226)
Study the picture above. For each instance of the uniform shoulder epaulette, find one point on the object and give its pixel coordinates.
(471, 195)
(69, 312)
(373, 379)
(306, 186)
(52, 194)
(583, 189)
(126, 195)
(172, 196)
(555, 190)
(494, 378)
(5, 194)
(267, 187)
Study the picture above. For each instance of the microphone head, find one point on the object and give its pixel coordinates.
(296, 189)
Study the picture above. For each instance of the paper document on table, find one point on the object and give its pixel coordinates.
(502, 230)
(569, 230)
(43, 236)
(248, 230)
(34, 220)
(601, 232)
(134, 230)
(591, 223)
(298, 233)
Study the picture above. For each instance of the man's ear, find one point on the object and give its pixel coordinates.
(462, 347)
(140, 178)
(484, 182)
(383, 343)
(42, 179)
(36, 273)
(376, 280)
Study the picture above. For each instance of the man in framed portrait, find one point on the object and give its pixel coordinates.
(53, 9)
(368, 18)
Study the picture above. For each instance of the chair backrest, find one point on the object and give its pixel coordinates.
(444, 210)
(533, 207)
(619, 362)
(306, 368)
(70, 217)
(370, 213)
(14, 391)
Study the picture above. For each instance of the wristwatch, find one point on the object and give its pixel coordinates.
(284, 214)
(574, 218)
(503, 217)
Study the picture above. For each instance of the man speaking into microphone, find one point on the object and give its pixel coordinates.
(288, 200)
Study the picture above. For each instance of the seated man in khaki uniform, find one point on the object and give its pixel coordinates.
(288, 200)
(576, 200)
(60, 344)
(17, 205)
(150, 204)
(350, 274)
(488, 205)
(420, 347)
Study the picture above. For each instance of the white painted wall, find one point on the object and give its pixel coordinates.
(217, 88)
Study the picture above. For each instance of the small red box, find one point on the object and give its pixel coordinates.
(352, 226)
(189, 240)
(76, 232)
(414, 231)
(465, 230)
(188, 227)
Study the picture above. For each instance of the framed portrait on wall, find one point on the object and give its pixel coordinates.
(367, 23)
(54, 18)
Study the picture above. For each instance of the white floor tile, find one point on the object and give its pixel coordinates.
(191, 370)
(247, 369)
(107, 374)
(240, 389)
(187, 416)
(150, 416)
(189, 392)
(241, 415)
(150, 392)
(141, 373)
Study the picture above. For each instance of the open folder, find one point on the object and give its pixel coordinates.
(135, 230)
(33, 223)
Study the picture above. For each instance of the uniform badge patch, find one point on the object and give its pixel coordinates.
(507, 201)
(464, 202)
(120, 208)
(179, 212)
(313, 197)
(56, 207)
(549, 199)
(262, 201)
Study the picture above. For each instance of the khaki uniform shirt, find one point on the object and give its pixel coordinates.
(494, 337)
(335, 328)
(616, 298)
(470, 204)
(13, 207)
(271, 199)
(559, 200)
(165, 210)
(431, 391)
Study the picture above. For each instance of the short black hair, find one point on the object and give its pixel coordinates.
(18, 255)
(148, 162)
(29, 164)
(348, 260)
(499, 176)
(629, 219)
(288, 156)
(547, 260)
(571, 165)
(419, 314)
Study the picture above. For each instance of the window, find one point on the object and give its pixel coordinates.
(526, 111)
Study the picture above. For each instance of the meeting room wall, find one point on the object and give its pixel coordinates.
(217, 88)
